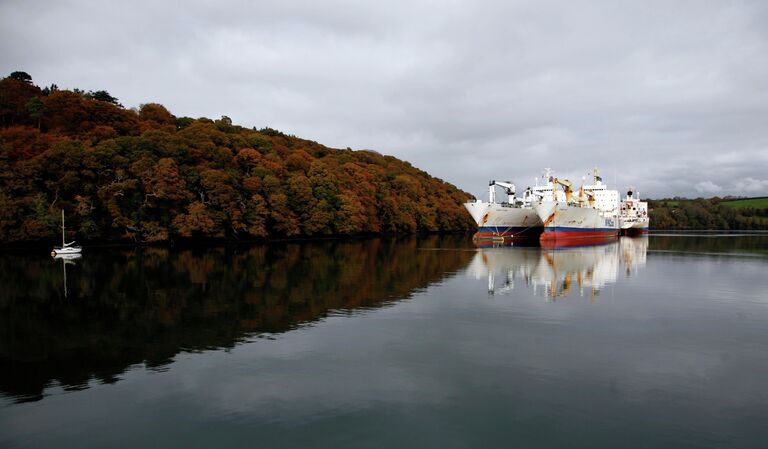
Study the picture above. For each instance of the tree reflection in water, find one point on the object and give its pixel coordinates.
(144, 306)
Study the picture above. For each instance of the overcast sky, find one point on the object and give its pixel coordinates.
(669, 97)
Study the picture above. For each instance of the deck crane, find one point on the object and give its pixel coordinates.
(567, 187)
(590, 197)
(509, 189)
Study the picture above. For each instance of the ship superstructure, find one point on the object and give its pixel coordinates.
(633, 216)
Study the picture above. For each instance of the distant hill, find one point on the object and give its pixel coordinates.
(712, 213)
(146, 175)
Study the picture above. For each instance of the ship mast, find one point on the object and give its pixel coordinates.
(62, 228)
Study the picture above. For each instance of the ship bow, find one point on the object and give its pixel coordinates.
(546, 212)
(477, 210)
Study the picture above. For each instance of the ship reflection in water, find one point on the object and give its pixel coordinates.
(558, 272)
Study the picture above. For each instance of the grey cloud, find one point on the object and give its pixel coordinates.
(661, 96)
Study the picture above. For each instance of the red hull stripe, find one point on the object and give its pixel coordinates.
(575, 233)
(571, 243)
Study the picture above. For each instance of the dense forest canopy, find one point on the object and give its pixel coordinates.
(145, 175)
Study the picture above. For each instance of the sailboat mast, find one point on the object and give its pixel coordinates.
(62, 228)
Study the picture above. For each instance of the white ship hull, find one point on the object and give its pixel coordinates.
(565, 223)
(499, 220)
(634, 225)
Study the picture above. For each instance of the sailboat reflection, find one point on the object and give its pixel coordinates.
(557, 272)
(67, 259)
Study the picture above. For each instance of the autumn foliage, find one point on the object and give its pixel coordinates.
(146, 175)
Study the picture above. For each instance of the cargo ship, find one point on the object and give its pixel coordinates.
(633, 217)
(514, 218)
(586, 216)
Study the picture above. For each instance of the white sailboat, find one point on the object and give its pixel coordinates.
(66, 248)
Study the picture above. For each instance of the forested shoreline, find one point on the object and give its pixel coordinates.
(145, 175)
(707, 214)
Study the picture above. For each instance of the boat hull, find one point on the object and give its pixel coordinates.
(565, 237)
(71, 256)
(566, 225)
(502, 221)
(67, 250)
(636, 227)
(632, 232)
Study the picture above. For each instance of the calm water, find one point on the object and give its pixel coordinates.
(647, 342)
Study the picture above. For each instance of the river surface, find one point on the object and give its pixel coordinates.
(653, 342)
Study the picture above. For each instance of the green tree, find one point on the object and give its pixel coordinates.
(50, 89)
(36, 109)
(24, 77)
(102, 95)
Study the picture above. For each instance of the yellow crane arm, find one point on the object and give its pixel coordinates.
(567, 187)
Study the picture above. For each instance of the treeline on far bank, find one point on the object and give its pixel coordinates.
(146, 175)
(712, 213)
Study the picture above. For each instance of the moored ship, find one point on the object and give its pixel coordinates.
(633, 216)
(584, 217)
(514, 218)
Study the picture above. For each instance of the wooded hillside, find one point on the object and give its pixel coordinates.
(145, 175)
(712, 213)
